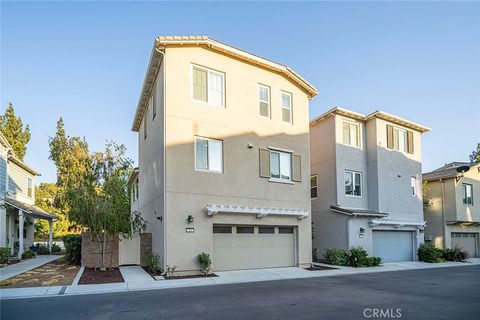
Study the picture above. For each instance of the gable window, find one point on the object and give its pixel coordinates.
(264, 100)
(313, 186)
(413, 185)
(208, 86)
(30, 187)
(287, 107)
(208, 154)
(467, 193)
(353, 183)
(351, 134)
(280, 165)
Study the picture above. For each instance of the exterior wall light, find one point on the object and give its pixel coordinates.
(362, 233)
(190, 218)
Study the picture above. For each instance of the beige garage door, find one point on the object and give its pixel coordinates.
(253, 247)
(466, 241)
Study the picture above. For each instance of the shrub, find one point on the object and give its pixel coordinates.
(5, 255)
(170, 270)
(372, 261)
(356, 257)
(73, 248)
(314, 254)
(151, 262)
(56, 248)
(429, 253)
(336, 256)
(28, 254)
(42, 250)
(205, 263)
(455, 254)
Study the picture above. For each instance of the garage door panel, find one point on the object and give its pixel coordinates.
(393, 246)
(465, 241)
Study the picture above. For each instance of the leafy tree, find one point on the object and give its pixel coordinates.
(475, 155)
(12, 128)
(45, 198)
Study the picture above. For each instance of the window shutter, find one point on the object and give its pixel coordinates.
(296, 168)
(389, 136)
(410, 148)
(264, 163)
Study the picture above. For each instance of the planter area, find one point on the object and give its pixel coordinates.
(95, 276)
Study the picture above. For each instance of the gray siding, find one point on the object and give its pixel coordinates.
(18, 179)
(3, 173)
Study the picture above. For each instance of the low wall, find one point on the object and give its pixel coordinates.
(92, 252)
(145, 245)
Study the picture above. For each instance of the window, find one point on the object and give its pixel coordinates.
(136, 189)
(280, 165)
(208, 154)
(413, 185)
(244, 230)
(313, 186)
(264, 100)
(145, 124)
(154, 101)
(351, 134)
(285, 230)
(353, 183)
(287, 107)
(208, 86)
(30, 187)
(222, 229)
(399, 139)
(266, 230)
(467, 193)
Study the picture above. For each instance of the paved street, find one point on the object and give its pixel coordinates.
(442, 293)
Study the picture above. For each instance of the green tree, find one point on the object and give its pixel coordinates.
(475, 155)
(12, 128)
(45, 198)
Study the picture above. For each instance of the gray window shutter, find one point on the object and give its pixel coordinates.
(410, 148)
(389, 136)
(264, 163)
(296, 168)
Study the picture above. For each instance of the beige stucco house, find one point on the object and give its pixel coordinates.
(223, 157)
(366, 183)
(453, 214)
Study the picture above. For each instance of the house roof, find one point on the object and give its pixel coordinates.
(358, 212)
(30, 209)
(449, 170)
(162, 42)
(13, 157)
(377, 114)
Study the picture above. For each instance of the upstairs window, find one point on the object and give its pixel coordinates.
(145, 124)
(287, 107)
(351, 134)
(400, 139)
(413, 185)
(208, 154)
(208, 86)
(313, 186)
(280, 165)
(154, 101)
(353, 183)
(467, 193)
(264, 101)
(30, 187)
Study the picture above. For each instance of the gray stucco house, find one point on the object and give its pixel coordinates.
(366, 183)
(453, 214)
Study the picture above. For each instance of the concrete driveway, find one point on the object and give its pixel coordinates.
(440, 293)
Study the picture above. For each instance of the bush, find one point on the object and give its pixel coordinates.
(151, 261)
(314, 254)
(73, 248)
(42, 250)
(56, 248)
(455, 254)
(28, 254)
(170, 271)
(356, 257)
(429, 253)
(5, 254)
(205, 263)
(372, 261)
(336, 257)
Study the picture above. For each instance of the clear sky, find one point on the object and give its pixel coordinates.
(85, 61)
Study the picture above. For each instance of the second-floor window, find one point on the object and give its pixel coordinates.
(208, 86)
(264, 101)
(400, 139)
(467, 193)
(286, 107)
(353, 183)
(351, 134)
(280, 165)
(413, 185)
(145, 124)
(208, 154)
(30, 187)
(313, 186)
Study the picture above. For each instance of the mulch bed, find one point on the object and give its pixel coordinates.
(95, 276)
(319, 268)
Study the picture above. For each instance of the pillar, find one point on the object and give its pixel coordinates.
(3, 226)
(21, 220)
(50, 234)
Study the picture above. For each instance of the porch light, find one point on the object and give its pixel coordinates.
(190, 218)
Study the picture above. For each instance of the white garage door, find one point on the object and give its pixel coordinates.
(393, 245)
(250, 247)
(466, 241)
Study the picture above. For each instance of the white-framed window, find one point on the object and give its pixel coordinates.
(280, 165)
(208, 86)
(264, 100)
(145, 123)
(467, 193)
(136, 189)
(208, 154)
(30, 187)
(353, 183)
(154, 101)
(313, 187)
(351, 134)
(413, 185)
(286, 106)
(399, 139)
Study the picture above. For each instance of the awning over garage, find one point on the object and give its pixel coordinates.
(259, 211)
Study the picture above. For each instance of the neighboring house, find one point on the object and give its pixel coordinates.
(223, 157)
(366, 183)
(453, 213)
(17, 198)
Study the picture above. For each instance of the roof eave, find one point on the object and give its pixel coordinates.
(398, 120)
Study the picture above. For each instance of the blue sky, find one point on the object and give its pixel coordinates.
(85, 61)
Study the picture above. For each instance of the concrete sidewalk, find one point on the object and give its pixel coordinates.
(226, 277)
(27, 265)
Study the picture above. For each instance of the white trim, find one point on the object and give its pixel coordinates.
(360, 136)
(195, 155)
(353, 177)
(281, 181)
(260, 212)
(280, 149)
(208, 70)
(397, 223)
(259, 85)
(282, 92)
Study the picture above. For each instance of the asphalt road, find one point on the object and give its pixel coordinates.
(443, 293)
